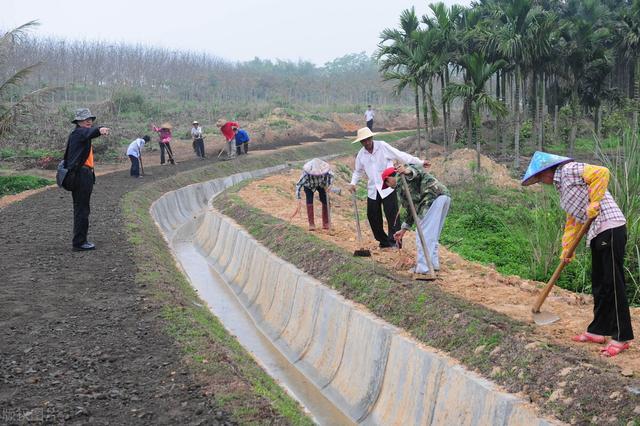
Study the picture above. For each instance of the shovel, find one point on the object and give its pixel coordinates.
(362, 252)
(545, 318)
(431, 275)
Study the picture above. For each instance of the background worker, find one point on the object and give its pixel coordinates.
(134, 152)
(316, 176)
(198, 140)
(368, 117)
(242, 140)
(79, 160)
(372, 159)
(226, 128)
(431, 200)
(583, 195)
(164, 132)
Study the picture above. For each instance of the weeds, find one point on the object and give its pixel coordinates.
(16, 184)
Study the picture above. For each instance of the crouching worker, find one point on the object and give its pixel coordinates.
(583, 195)
(316, 176)
(134, 152)
(431, 200)
(242, 141)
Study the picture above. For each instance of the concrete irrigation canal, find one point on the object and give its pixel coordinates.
(345, 365)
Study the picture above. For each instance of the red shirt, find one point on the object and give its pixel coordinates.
(227, 130)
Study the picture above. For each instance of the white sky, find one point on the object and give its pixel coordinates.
(239, 30)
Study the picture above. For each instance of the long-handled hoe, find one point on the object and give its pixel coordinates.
(544, 318)
(361, 252)
(431, 275)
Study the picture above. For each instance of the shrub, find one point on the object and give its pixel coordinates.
(15, 184)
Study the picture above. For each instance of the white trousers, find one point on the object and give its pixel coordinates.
(431, 225)
(231, 148)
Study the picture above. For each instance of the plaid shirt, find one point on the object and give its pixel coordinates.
(313, 182)
(580, 184)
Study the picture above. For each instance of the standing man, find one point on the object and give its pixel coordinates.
(368, 117)
(226, 128)
(372, 159)
(583, 195)
(431, 200)
(79, 160)
(242, 140)
(198, 140)
(134, 152)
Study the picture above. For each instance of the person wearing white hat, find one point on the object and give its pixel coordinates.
(198, 140)
(372, 159)
(583, 196)
(316, 176)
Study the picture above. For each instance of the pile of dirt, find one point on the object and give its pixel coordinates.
(458, 168)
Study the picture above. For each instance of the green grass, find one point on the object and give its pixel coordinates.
(16, 184)
(10, 153)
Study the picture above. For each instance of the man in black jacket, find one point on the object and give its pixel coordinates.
(79, 161)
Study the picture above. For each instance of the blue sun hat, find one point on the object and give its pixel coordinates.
(540, 162)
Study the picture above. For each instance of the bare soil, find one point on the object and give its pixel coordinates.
(510, 295)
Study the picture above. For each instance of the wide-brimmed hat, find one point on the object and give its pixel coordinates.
(82, 114)
(363, 134)
(220, 122)
(316, 167)
(195, 122)
(389, 171)
(540, 162)
(166, 125)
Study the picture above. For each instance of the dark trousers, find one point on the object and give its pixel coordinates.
(167, 147)
(81, 198)
(374, 215)
(321, 193)
(199, 146)
(244, 147)
(610, 307)
(370, 124)
(135, 166)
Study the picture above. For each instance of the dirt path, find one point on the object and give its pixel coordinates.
(511, 295)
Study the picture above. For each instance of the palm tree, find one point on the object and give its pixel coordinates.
(477, 73)
(517, 24)
(396, 54)
(12, 101)
(630, 44)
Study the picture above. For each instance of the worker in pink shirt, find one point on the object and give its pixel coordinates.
(226, 128)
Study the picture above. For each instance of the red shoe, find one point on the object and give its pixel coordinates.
(588, 338)
(614, 348)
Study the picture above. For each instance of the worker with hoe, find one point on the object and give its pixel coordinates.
(164, 133)
(134, 152)
(372, 159)
(431, 200)
(79, 160)
(198, 140)
(226, 128)
(316, 176)
(242, 141)
(584, 196)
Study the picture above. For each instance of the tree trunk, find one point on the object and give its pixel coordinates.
(446, 84)
(417, 99)
(425, 114)
(574, 120)
(555, 123)
(543, 108)
(597, 117)
(536, 113)
(636, 95)
(516, 101)
(474, 137)
(499, 146)
(444, 116)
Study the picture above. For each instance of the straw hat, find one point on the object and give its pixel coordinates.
(363, 134)
(166, 125)
(195, 122)
(540, 162)
(316, 167)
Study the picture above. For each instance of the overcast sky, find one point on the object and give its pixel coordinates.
(239, 30)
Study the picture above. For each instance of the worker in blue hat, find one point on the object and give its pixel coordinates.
(583, 195)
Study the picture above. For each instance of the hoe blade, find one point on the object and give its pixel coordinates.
(545, 318)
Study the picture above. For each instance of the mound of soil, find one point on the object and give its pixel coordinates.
(458, 167)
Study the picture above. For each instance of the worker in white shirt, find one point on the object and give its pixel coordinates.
(134, 152)
(372, 159)
(368, 117)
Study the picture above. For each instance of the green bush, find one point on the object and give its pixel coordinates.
(15, 184)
